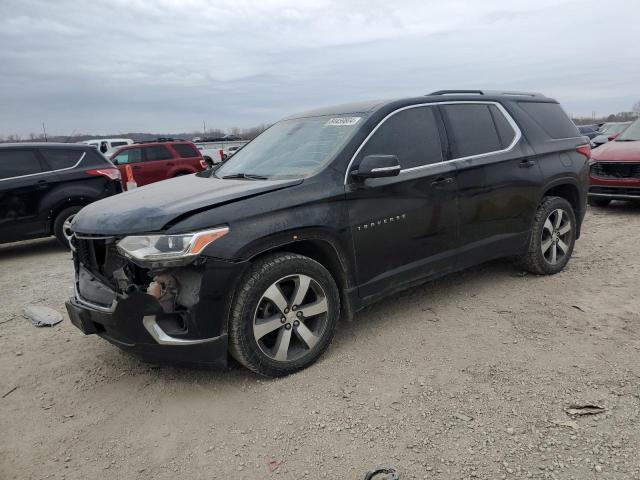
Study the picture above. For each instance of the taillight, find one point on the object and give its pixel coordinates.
(110, 173)
(584, 150)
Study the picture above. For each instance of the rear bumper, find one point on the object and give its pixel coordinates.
(135, 326)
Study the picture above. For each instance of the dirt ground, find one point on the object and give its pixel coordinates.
(465, 377)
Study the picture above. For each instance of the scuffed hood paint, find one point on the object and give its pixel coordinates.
(152, 207)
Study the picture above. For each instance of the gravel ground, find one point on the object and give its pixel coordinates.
(466, 377)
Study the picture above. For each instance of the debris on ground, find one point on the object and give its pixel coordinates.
(274, 465)
(587, 409)
(42, 316)
(382, 473)
(6, 394)
(463, 417)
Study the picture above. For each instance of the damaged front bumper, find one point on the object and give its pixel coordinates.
(140, 323)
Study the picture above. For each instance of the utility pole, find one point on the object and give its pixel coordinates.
(204, 129)
(45, 132)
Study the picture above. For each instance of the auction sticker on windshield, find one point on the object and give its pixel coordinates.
(342, 121)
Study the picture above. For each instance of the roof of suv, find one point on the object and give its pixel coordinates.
(439, 96)
(74, 146)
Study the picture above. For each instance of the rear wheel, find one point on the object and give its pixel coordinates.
(284, 315)
(62, 225)
(552, 237)
(599, 202)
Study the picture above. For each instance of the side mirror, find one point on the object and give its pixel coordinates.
(114, 161)
(377, 166)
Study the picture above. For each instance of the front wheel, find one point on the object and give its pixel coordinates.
(284, 314)
(553, 237)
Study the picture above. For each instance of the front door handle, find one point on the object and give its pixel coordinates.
(137, 167)
(170, 164)
(526, 164)
(442, 181)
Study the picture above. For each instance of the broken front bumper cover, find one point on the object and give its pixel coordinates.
(134, 324)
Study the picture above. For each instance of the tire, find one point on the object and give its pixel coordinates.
(599, 202)
(60, 225)
(547, 237)
(256, 325)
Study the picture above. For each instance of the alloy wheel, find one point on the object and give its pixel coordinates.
(556, 236)
(291, 318)
(66, 228)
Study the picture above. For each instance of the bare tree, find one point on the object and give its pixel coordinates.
(636, 107)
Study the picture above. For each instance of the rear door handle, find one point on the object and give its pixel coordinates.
(442, 181)
(526, 164)
(170, 164)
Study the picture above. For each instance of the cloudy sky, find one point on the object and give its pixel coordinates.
(109, 66)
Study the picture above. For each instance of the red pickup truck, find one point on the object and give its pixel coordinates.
(154, 161)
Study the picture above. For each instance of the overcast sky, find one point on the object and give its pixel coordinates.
(109, 66)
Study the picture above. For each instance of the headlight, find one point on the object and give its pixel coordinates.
(168, 248)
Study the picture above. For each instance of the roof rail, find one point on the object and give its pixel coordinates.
(487, 92)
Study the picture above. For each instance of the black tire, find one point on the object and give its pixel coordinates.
(537, 259)
(59, 224)
(248, 302)
(599, 202)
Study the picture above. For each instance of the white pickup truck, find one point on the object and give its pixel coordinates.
(211, 150)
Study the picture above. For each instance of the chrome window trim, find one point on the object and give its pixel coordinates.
(48, 171)
(510, 120)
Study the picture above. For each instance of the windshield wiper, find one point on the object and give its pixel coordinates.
(626, 140)
(244, 176)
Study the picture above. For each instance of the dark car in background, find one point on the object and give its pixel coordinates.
(590, 131)
(43, 185)
(152, 162)
(615, 169)
(323, 214)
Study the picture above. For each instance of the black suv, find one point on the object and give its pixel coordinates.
(323, 214)
(43, 185)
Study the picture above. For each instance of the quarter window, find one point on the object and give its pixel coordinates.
(471, 129)
(185, 150)
(157, 152)
(59, 158)
(412, 135)
(16, 163)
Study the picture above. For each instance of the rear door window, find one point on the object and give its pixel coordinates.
(185, 150)
(551, 118)
(59, 158)
(410, 134)
(118, 144)
(131, 155)
(504, 128)
(18, 163)
(157, 152)
(471, 129)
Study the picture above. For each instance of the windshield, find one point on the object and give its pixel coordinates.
(613, 128)
(292, 148)
(631, 134)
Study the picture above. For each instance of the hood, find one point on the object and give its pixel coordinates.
(152, 207)
(617, 152)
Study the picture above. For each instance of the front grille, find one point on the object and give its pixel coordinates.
(615, 170)
(98, 255)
